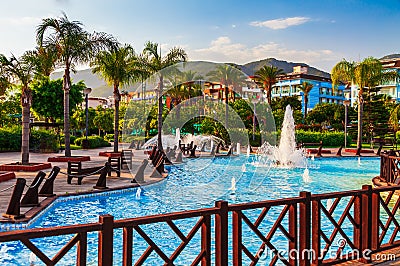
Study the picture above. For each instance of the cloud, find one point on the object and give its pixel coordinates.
(223, 49)
(280, 23)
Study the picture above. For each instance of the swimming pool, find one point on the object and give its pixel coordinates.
(195, 184)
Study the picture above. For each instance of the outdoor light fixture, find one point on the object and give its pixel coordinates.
(86, 92)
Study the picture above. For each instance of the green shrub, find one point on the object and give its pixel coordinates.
(10, 139)
(72, 138)
(39, 140)
(43, 141)
(328, 138)
(94, 142)
(109, 137)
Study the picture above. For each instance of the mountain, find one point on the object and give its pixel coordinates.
(101, 89)
(287, 67)
(99, 86)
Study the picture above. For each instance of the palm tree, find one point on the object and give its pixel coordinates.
(4, 83)
(44, 59)
(21, 70)
(227, 76)
(74, 46)
(153, 62)
(267, 77)
(366, 74)
(117, 68)
(305, 87)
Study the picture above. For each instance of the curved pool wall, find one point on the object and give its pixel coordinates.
(192, 185)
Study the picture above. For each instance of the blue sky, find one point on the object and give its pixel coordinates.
(319, 33)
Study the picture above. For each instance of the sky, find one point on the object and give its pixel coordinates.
(319, 33)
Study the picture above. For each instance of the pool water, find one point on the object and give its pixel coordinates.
(195, 184)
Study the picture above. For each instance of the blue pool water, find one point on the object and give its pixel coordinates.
(195, 184)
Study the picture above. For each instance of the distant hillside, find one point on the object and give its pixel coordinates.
(99, 86)
(287, 67)
(101, 89)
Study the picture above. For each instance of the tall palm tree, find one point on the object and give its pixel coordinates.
(305, 87)
(21, 70)
(44, 59)
(4, 83)
(153, 62)
(267, 77)
(117, 68)
(227, 76)
(75, 46)
(365, 74)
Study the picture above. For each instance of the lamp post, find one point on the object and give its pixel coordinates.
(86, 91)
(346, 104)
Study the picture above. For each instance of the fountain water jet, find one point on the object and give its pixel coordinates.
(286, 154)
(138, 193)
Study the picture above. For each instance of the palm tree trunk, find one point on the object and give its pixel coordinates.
(160, 111)
(66, 87)
(116, 116)
(226, 106)
(25, 101)
(360, 122)
(268, 95)
(305, 106)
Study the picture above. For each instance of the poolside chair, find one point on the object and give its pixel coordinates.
(139, 176)
(31, 197)
(47, 188)
(13, 209)
(339, 152)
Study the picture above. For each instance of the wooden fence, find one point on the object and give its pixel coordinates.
(309, 226)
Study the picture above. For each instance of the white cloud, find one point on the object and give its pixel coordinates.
(223, 50)
(280, 23)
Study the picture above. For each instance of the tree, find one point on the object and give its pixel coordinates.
(267, 77)
(117, 68)
(10, 108)
(22, 70)
(103, 119)
(48, 97)
(44, 60)
(227, 76)
(152, 62)
(305, 87)
(366, 74)
(74, 46)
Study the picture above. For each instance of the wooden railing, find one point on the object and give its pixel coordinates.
(320, 229)
(390, 166)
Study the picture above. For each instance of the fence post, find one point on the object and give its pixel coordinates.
(369, 224)
(237, 238)
(106, 240)
(305, 254)
(221, 234)
(293, 244)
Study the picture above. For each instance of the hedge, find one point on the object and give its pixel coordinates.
(94, 142)
(43, 141)
(40, 140)
(327, 138)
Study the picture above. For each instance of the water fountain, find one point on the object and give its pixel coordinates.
(138, 193)
(306, 176)
(286, 154)
(233, 185)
